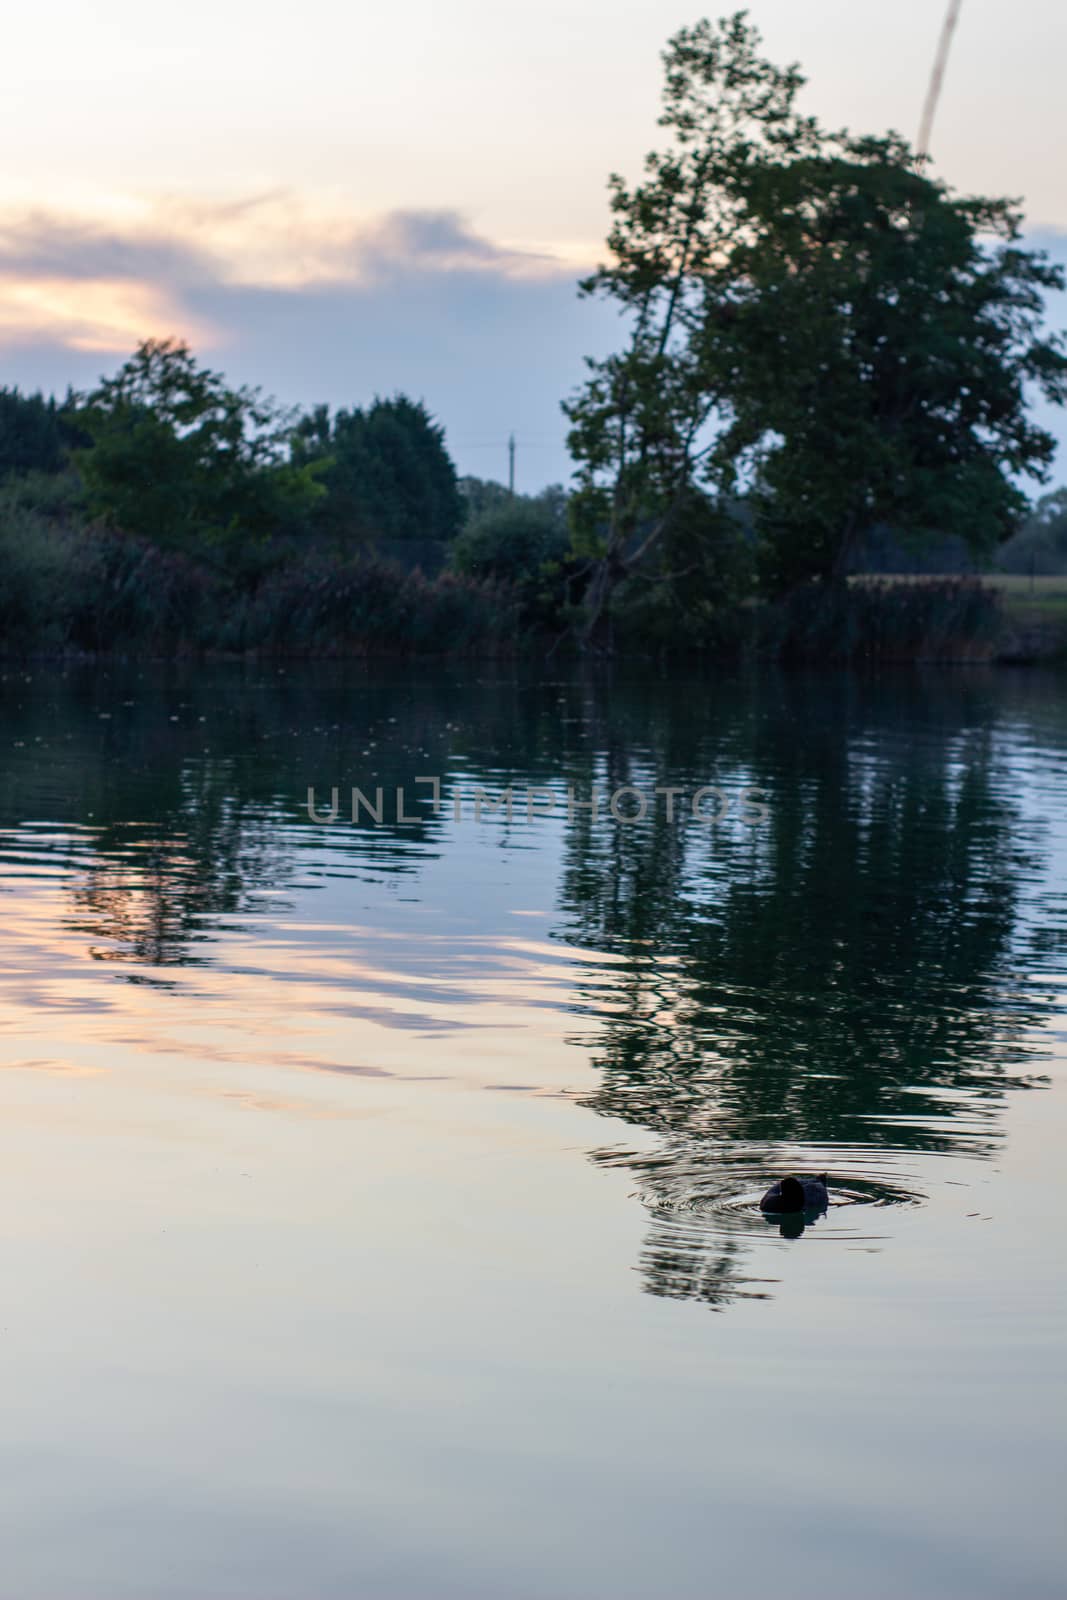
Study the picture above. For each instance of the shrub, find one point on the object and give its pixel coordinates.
(523, 544)
(69, 585)
(510, 543)
(125, 594)
(689, 599)
(34, 573)
(949, 619)
(324, 606)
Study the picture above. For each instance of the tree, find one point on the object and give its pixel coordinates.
(813, 321)
(1040, 545)
(181, 459)
(35, 434)
(640, 425)
(883, 334)
(686, 596)
(521, 541)
(386, 472)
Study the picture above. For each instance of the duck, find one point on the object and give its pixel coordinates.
(797, 1194)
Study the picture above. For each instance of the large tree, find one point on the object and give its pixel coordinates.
(885, 337)
(643, 425)
(812, 321)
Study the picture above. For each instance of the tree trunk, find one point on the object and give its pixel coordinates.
(839, 569)
(607, 574)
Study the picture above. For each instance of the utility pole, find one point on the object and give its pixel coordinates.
(511, 464)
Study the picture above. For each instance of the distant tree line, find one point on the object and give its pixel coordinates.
(167, 510)
(36, 434)
(167, 451)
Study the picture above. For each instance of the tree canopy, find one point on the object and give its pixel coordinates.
(386, 472)
(178, 457)
(35, 433)
(884, 335)
(812, 320)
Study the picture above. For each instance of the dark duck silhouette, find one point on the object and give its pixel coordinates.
(796, 1194)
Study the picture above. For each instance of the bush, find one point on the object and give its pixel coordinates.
(510, 543)
(69, 585)
(949, 619)
(324, 606)
(690, 598)
(34, 572)
(523, 544)
(124, 594)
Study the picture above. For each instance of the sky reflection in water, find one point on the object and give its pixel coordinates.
(335, 1154)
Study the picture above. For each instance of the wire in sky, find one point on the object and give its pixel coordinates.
(933, 93)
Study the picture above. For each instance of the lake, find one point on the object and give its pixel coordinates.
(379, 1198)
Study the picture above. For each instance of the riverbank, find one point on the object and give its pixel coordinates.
(71, 590)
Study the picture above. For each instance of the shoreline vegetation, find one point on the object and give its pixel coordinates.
(73, 587)
(79, 591)
(824, 381)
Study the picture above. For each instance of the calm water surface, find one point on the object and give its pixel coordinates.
(377, 1203)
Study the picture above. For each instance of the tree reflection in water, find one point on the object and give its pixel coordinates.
(844, 986)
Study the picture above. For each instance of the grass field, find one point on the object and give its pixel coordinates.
(1032, 599)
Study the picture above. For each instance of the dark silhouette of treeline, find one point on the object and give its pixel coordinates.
(167, 514)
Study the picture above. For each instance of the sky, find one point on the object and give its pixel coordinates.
(338, 201)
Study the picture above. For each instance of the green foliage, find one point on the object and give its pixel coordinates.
(125, 594)
(180, 459)
(1040, 545)
(386, 473)
(511, 541)
(640, 425)
(56, 495)
(812, 320)
(65, 586)
(940, 619)
(882, 351)
(521, 542)
(33, 569)
(36, 435)
(687, 595)
(482, 494)
(361, 606)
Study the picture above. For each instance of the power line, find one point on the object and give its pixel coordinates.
(933, 93)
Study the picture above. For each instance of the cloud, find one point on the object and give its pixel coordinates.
(318, 306)
(266, 239)
(76, 284)
(97, 314)
(92, 286)
(313, 306)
